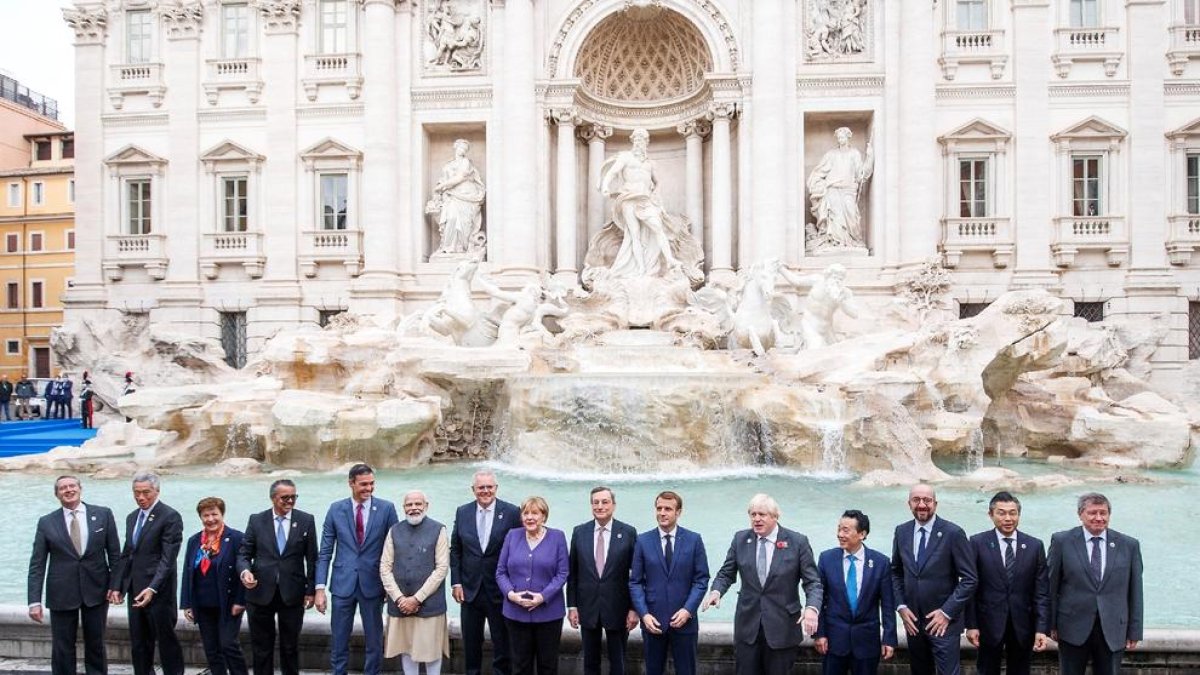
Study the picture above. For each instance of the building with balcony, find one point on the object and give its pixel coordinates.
(260, 165)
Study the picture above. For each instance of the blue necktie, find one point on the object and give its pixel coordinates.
(137, 529)
(921, 546)
(852, 584)
(280, 534)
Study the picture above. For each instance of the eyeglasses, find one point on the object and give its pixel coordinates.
(288, 498)
(922, 500)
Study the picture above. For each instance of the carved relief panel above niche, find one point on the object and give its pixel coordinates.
(838, 31)
(455, 33)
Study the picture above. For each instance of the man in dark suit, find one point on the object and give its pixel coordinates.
(773, 563)
(667, 581)
(479, 530)
(146, 574)
(354, 532)
(1095, 591)
(277, 563)
(1010, 610)
(80, 544)
(933, 576)
(598, 584)
(858, 614)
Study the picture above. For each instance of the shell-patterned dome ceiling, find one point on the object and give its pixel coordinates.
(638, 57)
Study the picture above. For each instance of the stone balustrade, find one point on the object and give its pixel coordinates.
(992, 235)
(343, 247)
(332, 69)
(1096, 233)
(232, 248)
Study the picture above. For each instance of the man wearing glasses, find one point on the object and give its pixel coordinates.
(278, 566)
(479, 530)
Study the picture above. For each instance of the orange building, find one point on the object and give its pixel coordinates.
(37, 228)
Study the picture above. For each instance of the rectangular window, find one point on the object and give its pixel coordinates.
(14, 194)
(1085, 13)
(235, 31)
(971, 14)
(1092, 311)
(36, 292)
(71, 191)
(1191, 12)
(70, 240)
(39, 193)
(138, 33)
(12, 347)
(1193, 184)
(68, 148)
(12, 295)
(334, 21)
(35, 241)
(1085, 185)
(333, 201)
(973, 187)
(12, 242)
(41, 150)
(235, 206)
(233, 338)
(324, 316)
(966, 310)
(138, 203)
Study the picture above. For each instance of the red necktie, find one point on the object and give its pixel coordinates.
(359, 533)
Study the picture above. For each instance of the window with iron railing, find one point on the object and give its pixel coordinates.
(324, 316)
(1091, 311)
(966, 310)
(1193, 330)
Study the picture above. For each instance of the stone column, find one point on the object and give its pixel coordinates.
(693, 132)
(721, 115)
(409, 197)
(766, 233)
(521, 243)
(595, 135)
(88, 291)
(1033, 188)
(920, 167)
(378, 285)
(566, 264)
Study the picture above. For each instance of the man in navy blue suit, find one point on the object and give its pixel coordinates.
(479, 531)
(352, 538)
(857, 623)
(933, 577)
(1010, 611)
(666, 584)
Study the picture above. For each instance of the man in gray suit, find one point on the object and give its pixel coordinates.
(80, 544)
(773, 562)
(1095, 591)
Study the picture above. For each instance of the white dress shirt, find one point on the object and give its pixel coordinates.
(1087, 540)
(916, 542)
(857, 558)
(771, 538)
(81, 514)
(607, 539)
(1002, 545)
(662, 539)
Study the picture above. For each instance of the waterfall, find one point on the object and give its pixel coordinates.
(833, 447)
(974, 456)
(239, 442)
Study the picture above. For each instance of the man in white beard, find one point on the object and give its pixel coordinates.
(413, 568)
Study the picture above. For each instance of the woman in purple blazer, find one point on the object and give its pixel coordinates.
(531, 574)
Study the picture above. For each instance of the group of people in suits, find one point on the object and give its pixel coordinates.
(512, 573)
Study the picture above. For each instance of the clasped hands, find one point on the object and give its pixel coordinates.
(527, 599)
(678, 619)
(938, 622)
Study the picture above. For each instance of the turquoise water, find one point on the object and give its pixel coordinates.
(1162, 516)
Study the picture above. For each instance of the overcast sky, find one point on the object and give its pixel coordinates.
(37, 50)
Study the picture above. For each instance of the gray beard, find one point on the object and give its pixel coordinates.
(415, 520)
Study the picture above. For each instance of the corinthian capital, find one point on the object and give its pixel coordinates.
(563, 116)
(182, 19)
(697, 127)
(589, 132)
(279, 16)
(725, 110)
(89, 23)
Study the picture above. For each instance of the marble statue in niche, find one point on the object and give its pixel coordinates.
(835, 187)
(456, 37)
(835, 29)
(642, 239)
(457, 203)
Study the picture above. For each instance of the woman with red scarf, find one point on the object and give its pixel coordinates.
(211, 596)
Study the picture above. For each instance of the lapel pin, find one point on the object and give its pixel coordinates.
(374, 508)
(150, 519)
(871, 563)
(93, 517)
(991, 544)
(781, 544)
(226, 538)
(500, 516)
(939, 535)
(748, 540)
(619, 535)
(1022, 546)
(1112, 544)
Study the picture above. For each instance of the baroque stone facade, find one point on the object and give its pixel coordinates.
(264, 164)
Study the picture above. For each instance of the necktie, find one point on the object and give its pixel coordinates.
(852, 584)
(359, 531)
(137, 529)
(280, 534)
(481, 529)
(921, 546)
(1095, 559)
(600, 552)
(668, 551)
(1010, 558)
(76, 535)
(760, 562)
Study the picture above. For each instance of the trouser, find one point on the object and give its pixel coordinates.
(64, 626)
(4, 411)
(534, 646)
(219, 633)
(153, 625)
(262, 636)
(23, 408)
(85, 413)
(757, 658)
(930, 655)
(1073, 659)
(474, 613)
(342, 624)
(681, 647)
(1018, 653)
(840, 665)
(592, 638)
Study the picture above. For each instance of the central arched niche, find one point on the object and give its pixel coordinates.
(643, 55)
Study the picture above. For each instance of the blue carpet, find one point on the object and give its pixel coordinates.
(37, 436)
